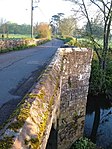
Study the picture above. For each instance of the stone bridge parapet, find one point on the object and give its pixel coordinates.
(57, 99)
(74, 90)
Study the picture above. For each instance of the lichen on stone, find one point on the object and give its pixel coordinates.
(32, 143)
(21, 114)
(6, 143)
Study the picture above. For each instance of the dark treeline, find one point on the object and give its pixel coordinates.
(14, 28)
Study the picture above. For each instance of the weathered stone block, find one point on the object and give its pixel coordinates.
(75, 83)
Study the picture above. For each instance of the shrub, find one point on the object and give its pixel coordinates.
(96, 77)
(44, 31)
(73, 42)
(70, 40)
(84, 143)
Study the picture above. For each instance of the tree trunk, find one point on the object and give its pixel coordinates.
(95, 125)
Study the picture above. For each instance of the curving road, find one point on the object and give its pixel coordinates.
(18, 72)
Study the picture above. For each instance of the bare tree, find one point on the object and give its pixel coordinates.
(67, 26)
(4, 26)
(104, 8)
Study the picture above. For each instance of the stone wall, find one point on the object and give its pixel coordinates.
(30, 125)
(74, 90)
(15, 43)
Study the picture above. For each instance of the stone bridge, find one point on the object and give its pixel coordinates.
(54, 107)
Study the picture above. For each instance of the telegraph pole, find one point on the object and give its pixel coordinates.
(32, 18)
(32, 8)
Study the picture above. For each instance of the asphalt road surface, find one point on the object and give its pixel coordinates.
(18, 72)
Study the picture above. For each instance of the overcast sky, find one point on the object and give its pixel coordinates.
(19, 11)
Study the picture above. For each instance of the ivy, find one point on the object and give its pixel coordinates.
(84, 143)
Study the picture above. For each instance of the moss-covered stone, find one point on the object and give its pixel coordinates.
(20, 114)
(6, 143)
(33, 143)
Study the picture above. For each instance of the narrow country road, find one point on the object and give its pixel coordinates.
(18, 72)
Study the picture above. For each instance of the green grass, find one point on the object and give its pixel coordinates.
(86, 42)
(15, 36)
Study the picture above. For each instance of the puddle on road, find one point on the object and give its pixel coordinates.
(98, 121)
